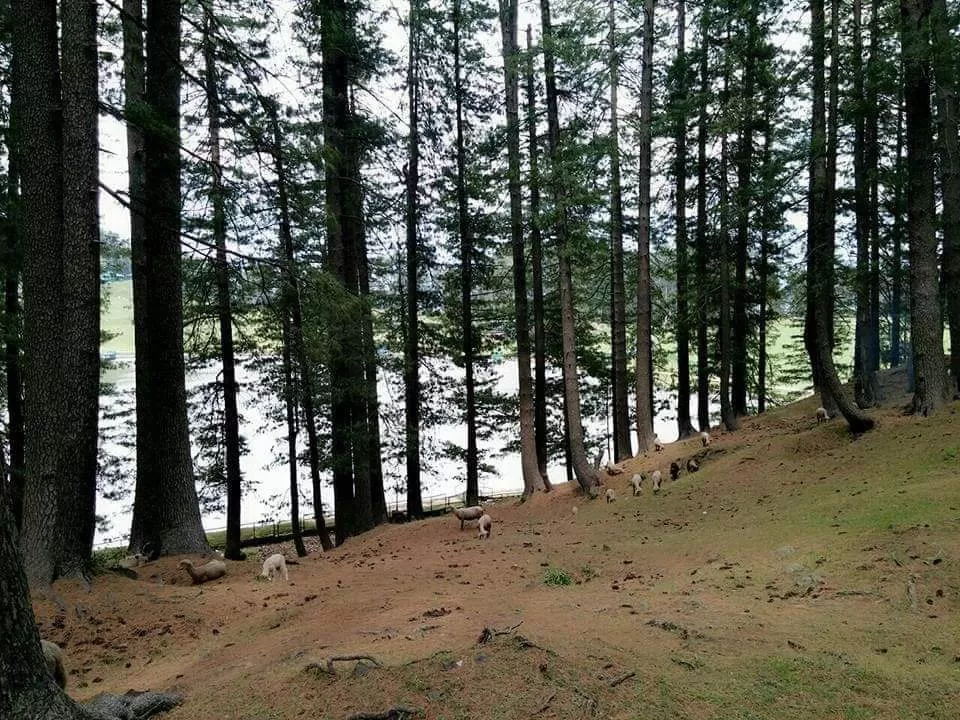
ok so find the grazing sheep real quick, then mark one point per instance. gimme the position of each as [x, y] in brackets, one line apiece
[211, 571]
[276, 563]
[468, 513]
[131, 562]
[822, 415]
[705, 438]
[483, 527]
[611, 495]
[657, 445]
[575, 510]
[674, 470]
[613, 469]
[54, 657]
[692, 465]
[636, 482]
[656, 476]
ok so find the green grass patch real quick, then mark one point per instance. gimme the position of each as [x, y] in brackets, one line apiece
[556, 577]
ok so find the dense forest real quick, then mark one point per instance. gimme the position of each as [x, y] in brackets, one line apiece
[623, 199]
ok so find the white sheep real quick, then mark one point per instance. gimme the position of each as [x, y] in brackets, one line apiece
[483, 527]
[705, 438]
[657, 445]
[614, 469]
[656, 477]
[822, 415]
[468, 513]
[211, 571]
[131, 562]
[54, 658]
[636, 482]
[276, 563]
[611, 495]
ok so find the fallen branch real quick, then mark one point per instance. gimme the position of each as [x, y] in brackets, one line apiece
[622, 678]
[594, 705]
[348, 658]
[394, 713]
[487, 634]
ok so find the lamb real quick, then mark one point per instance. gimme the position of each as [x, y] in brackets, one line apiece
[657, 445]
[611, 495]
[211, 571]
[131, 562]
[656, 476]
[468, 513]
[692, 465]
[822, 415]
[636, 482]
[54, 657]
[483, 527]
[674, 470]
[276, 563]
[705, 438]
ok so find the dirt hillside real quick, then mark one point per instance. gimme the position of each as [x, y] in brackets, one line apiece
[801, 573]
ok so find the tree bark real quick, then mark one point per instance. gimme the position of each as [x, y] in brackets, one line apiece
[702, 296]
[166, 512]
[872, 161]
[12, 320]
[744, 162]
[926, 327]
[536, 262]
[231, 415]
[618, 321]
[727, 416]
[948, 149]
[644, 400]
[28, 690]
[586, 475]
[684, 425]
[465, 231]
[411, 348]
[820, 245]
[865, 379]
[289, 398]
[532, 480]
[292, 305]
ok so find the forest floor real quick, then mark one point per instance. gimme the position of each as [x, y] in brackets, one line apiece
[802, 573]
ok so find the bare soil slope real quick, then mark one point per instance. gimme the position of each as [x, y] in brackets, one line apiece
[802, 573]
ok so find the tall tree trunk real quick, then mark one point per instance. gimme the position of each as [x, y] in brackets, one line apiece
[166, 512]
[769, 195]
[872, 161]
[644, 381]
[411, 348]
[292, 306]
[586, 475]
[865, 379]
[820, 243]
[536, 261]
[377, 499]
[744, 162]
[926, 328]
[289, 399]
[684, 425]
[231, 415]
[618, 321]
[896, 254]
[466, 271]
[81, 285]
[727, 416]
[28, 690]
[40, 214]
[703, 351]
[12, 320]
[532, 480]
[948, 149]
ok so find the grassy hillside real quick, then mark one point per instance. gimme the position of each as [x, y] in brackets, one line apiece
[801, 574]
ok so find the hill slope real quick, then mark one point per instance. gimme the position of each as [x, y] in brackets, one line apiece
[800, 574]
